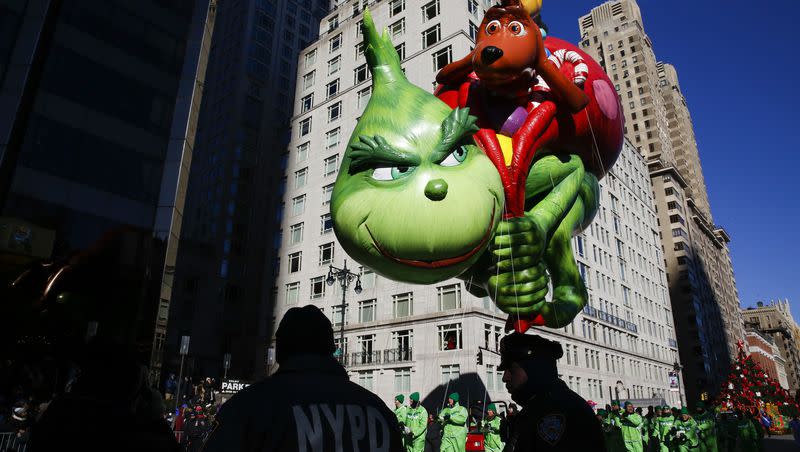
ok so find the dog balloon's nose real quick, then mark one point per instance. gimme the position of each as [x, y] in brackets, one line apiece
[491, 54]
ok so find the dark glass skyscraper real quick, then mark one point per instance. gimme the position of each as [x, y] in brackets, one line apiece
[223, 292]
[98, 108]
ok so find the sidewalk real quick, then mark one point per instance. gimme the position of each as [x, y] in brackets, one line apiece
[784, 443]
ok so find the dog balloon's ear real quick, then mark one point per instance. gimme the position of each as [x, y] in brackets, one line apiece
[532, 7]
[456, 72]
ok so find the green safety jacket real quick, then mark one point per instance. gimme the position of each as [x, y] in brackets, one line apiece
[417, 422]
[683, 436]
[663, 426]
[707, 426]
[454, 434]
[492, 441]
[631, 433]
[612, 430]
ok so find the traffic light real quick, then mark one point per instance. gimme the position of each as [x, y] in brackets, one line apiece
[479, 356]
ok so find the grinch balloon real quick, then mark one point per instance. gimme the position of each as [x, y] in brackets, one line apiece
[489, 181]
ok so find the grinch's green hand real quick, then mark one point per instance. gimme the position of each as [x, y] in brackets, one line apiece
[517, 278]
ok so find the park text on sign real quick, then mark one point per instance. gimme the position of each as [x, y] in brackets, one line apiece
[232, 386]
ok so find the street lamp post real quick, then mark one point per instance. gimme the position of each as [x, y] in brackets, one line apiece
[676, 367]
[345, 277]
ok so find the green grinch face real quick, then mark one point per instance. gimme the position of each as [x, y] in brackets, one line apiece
[416, 200]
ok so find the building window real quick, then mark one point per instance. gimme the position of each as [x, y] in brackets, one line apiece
[430, 10]
[317, 287]
[363, 98]
[331, 165]
[295, 233]
[298, 205]
[302, 152]
[398, 28]
[449, 297]
[367, 346]
[359, 50]
[335, 43]
[310, 58]
[326, 194]
[396, 7]
[295, 262]
[402, 305]
[402, 380]
[326, 224]
[337, 317]
[332, 88]
[306, 103]
[333, 137]
[292, 293]
[334, 65]
[326, 253]
[361, 74]
[442, 58]
[401, 50]
[308, 80]
[366, 311]
[472, 6]
[305, 126]
[431, 36]
[365, 380]
[367, 278]
[450, 337]
[473, 31]
[300, 177]
[450, 372]
[333, 22]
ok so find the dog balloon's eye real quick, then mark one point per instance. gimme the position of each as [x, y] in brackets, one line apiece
[517, 28]
[493, 27]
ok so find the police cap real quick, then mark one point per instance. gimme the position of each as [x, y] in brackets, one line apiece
[304, 330]
[520, 347]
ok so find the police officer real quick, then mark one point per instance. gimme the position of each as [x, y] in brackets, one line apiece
[491, 430]
[454, 425]
[612, 428]
[417, 425]
[553, 417]
[309, 404]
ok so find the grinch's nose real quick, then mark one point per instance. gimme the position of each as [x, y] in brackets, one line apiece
[436, 189]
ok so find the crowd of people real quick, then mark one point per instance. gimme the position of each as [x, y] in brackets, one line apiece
[311, 404]
[667, 429]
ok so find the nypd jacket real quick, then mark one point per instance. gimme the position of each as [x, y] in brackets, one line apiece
[309, 405]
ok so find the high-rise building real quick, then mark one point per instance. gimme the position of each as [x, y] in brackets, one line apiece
[402, 337]
[775, 319]
[99, 104]
[224, 274]
[700, 274]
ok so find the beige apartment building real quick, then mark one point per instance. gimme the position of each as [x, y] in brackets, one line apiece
[701, 282]
[775, 319]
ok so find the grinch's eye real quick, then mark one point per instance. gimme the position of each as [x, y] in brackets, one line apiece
[493, 27]
[517, 28]
[455, 158]
[392, 173]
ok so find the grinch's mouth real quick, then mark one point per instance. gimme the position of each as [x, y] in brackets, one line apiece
[440, 263]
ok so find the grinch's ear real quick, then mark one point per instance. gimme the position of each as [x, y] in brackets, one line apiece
[456, 72]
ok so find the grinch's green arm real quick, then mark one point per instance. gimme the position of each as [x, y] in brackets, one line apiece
[517, 279]
[559, 179]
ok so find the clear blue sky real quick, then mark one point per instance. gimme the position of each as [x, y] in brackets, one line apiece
[738, 66]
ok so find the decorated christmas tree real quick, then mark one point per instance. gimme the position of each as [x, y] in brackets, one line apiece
[750, 389]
